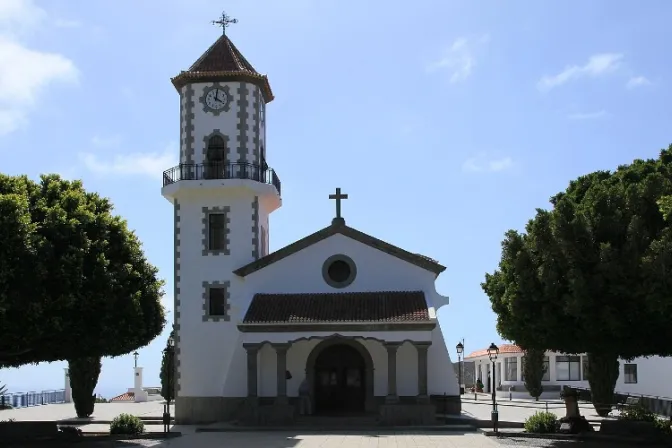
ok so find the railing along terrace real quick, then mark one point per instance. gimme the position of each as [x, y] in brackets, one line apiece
[203, 171]
[27, 399]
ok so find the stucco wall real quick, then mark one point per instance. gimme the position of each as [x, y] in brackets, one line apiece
[652, 375]
[244, 112]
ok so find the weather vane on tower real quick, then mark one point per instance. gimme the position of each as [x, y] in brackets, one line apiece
[224, 21]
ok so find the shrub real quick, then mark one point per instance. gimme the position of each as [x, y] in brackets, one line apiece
[665, 425]
[127, 424]
[637, 413]
[542, 422]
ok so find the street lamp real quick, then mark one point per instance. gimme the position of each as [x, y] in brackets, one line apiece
[170, 350]
[460, 350]
[135, 358]
[493, 351]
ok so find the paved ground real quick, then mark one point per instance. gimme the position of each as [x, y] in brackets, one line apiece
[520, 410]
[350, 440]
[66, 411]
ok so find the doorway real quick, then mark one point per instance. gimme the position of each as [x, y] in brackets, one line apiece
[339, 382]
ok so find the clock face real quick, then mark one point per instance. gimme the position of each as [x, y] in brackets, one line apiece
[216, 99]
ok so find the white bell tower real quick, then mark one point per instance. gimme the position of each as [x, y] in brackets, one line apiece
[223, 192]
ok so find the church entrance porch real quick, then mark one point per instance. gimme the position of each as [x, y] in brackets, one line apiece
[338, 378]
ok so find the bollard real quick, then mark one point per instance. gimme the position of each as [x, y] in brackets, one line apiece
[510, 396]
[547, 406]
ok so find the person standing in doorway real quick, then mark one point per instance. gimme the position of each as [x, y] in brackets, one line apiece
[304, 397]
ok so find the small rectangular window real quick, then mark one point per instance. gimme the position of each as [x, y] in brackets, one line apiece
[216, 231]
[217, 302]
[630, 373]
[511, 369]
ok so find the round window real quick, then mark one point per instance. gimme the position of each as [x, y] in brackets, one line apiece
[339, 271]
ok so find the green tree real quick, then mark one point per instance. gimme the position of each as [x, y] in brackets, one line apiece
[168, 372]
[74, 282]
[84, 374]
[594, 274]
[533, 371]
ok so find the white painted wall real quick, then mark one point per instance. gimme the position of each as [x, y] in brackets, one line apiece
[204, 123]
[652, 375]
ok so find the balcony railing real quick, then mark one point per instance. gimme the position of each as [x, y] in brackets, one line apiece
[26, 399]
[203, 171]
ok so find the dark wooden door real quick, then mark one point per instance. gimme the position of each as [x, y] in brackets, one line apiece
[339, 380]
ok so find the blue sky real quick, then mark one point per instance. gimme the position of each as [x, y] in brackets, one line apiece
[447, 123]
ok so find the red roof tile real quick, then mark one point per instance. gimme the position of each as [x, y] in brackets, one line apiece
[504, 348]
[128, 396]
[222, 56]
[390, 306]
[223, 62]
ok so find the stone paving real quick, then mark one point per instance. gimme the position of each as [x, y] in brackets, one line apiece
[520, 410]
[102, 411]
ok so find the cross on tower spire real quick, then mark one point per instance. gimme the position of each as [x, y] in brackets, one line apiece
[224, 21]
[338, 197]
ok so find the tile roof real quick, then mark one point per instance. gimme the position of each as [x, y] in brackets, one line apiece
[223, 62]
[127, 396]
[339, 226]
[504, 348]
[388, 306]
[222, 56]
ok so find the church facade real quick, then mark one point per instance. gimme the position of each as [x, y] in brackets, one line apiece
[353, 315]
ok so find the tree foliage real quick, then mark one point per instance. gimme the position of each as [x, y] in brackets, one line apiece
[533, 371]
[84, 374]
[168, 372]
[74, 282]
[594, 274]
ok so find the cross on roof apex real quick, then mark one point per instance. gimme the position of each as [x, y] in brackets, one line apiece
[224, 21]
[338, 197]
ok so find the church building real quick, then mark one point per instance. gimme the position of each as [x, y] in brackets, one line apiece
[354, 316]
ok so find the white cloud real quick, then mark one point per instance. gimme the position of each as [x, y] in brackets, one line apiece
[597, 65]
[459, 60]
[106, 142]
[484, 163]
[25, 72]
[151, 164]
[638, 81]
[588, 115]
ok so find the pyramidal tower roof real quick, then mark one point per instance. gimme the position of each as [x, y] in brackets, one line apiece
[220, 63]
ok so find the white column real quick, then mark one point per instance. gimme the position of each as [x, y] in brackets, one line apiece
[68, 389]
[137, 385]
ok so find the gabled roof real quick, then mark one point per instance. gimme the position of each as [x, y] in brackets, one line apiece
[338, 226]
[223, 62]
[504, 348]
[373, 307]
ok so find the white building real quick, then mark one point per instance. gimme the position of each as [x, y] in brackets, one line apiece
[641, 376]
[353, 314]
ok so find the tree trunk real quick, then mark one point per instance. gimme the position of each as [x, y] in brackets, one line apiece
[603, 374]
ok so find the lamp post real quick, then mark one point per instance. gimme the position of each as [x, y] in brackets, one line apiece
[170, 350]
[460, 350]
[135, 358]
[493, 351]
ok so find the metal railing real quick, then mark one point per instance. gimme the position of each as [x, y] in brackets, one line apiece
[27, 399]
[205, 171]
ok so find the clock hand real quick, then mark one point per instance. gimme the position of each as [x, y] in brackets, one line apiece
[217, 97]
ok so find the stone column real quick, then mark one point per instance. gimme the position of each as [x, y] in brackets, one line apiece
[281, 361]
[252, 368]
[421, 348]
[392, 348]
[68, 389]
